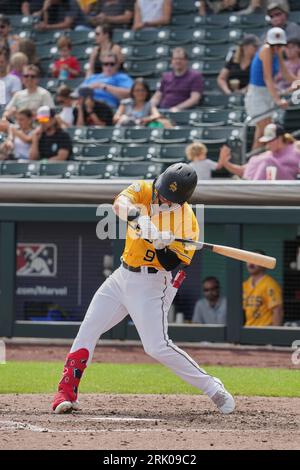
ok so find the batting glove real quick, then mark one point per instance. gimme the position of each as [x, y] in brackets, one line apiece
[163, 239]
[147, 228]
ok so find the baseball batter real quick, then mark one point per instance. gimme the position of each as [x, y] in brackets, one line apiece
[143, 287]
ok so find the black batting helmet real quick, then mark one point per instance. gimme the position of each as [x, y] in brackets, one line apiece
[177, 183]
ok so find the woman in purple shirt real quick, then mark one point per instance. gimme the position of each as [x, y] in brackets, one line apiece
[283, 153]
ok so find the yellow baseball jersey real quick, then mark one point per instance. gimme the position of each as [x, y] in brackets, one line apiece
[259, 300]
[181, 222]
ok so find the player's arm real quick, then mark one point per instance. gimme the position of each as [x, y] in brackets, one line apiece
[277, 316]
[125, 209]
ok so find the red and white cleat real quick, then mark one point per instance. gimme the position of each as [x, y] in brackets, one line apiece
[62, 403]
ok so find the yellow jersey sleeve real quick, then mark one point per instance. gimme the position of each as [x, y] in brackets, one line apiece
[273, 293]
[136, 192]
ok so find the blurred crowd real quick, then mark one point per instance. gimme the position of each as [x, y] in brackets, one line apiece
[262, 69]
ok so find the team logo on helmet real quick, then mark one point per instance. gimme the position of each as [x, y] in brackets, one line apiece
[173, 187]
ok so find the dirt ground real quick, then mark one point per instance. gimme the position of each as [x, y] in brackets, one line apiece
[135, 354]
[152, 422]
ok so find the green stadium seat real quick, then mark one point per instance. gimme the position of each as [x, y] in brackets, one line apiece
[46, 52]
[247, 21]
[19, 169]
[214, 21]
[141, 170]
[151, 68]
[184, 7]
[58, 169]
[207, 52]
[208, 67]
[184, 21]
[100, 170]
[81, 37]
[74, 83]
[82, 51]
[204, 36]
[99, 135]
[180, 118]
[170, 154]
[51, 84]
[215, 135]
[215, 101]
[135, 153]
[46, 37]
[153, 83]
[220, 117]
[211, 85]
[76, 133]
[170, 136]
[142, 37]
[100, 152]
[146, 52]
[135, 135]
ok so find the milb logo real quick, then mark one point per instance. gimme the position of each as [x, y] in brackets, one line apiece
[36, 259]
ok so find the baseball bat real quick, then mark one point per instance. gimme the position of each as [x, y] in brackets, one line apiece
[236, 253]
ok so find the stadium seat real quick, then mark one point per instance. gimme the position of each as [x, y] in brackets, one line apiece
[215, 135]
[135, 153]
[19, 170]
[204, 36]
[184, 7]
[221, 117]
[58, 169]
[81, 37]
[99, 152]
[142, 37]
[76, 133]
[146, 52]
[100, 170]
[184, 21]
[46, 37]
[141, 170]
[170, 154]
[135, 135]
[74, 83]
[150, 68]
[214, 21]
[180, 118]
[153, 83]
[247, 21]
[51, 84]
[207, 52]
[170, 136]
[208, 67]
[100, 135]
[46, 52]
[215, 101]
[211, 85]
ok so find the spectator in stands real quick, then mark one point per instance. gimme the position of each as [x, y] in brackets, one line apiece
[278, 11]
[27, 46]
[292, 62]
[12, 83]
[7, 40]
[104, 45]
[62, 14]
[67, 66]
[152, 13]
[19, 140]
[64, 99]
[115, 13]
[262, 298]
[180, 88]
[196, 153]
[218, 6]
[32, 97]
[282, 153]
[111, 85]
[49, 140]
[212, 309]
[234, 76]
[91, 112]
[17, 63]
[138, 109]
[34, 7]
[262, 95]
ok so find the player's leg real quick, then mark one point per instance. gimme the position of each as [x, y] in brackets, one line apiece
[104, 312]
[149, 313]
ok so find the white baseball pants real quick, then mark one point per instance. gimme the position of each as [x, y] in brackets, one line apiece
[146, 298]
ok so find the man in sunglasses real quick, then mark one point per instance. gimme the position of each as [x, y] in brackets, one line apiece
[32, 97]
[278, 11]
[111, 86]
[212, 308]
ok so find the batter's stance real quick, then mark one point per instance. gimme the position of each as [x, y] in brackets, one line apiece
[142, 286]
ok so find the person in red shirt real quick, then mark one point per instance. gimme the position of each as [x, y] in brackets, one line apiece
[67, 66]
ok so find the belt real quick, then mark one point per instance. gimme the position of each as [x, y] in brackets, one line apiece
[141, 269]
